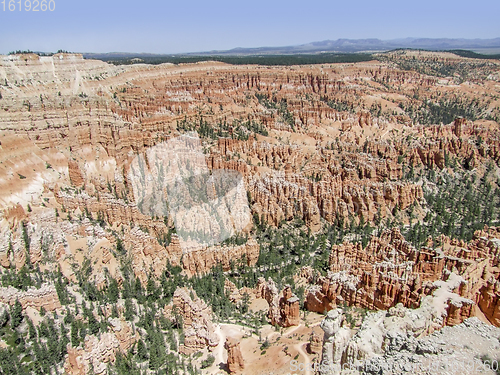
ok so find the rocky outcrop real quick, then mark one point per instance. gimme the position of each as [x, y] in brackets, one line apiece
[289, 308]
[323, 296]
[284, 311]
[198, 329]
[389, 271]
[45, 296]
[458, 125]
[126, 335]
[148, 254]
[236, 295]
[394, 343]
[114, 210]
[5, 248]
[76, 176]
[489, 301]
[201, 261]
[269, 291]
[335, 339]
[315, 343]
[445, 350]
[364, 119]
[97, 352]
[279, 196]
[234, 358]
[384, 331]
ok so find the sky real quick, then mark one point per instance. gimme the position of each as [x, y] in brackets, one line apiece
[156, 26]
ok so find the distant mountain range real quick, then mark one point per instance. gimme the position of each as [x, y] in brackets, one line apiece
[338, 46]
[368, 45]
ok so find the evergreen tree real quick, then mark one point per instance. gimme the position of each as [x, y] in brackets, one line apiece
[75, 339]
[4, 319]
[142, 351]
[113, 291]
[139, 293]
[130, 311]
[16, 316]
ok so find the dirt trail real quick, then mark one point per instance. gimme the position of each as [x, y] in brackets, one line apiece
[289, 332]
[218, 352]
[307, 360]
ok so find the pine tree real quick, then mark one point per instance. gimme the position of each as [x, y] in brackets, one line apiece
[62, 343]
[129, 310]
[4, 319]
[142, 351]
[16, 316]
[157, 355]
[151, 289]
[139, 293]
[75, 339]
[113, 291]
[31, 330]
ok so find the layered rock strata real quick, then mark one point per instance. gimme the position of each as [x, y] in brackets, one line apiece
[391, 271]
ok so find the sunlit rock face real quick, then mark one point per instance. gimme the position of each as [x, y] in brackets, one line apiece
[235, 361]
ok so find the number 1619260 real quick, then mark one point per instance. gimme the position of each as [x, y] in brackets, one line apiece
[28, 5]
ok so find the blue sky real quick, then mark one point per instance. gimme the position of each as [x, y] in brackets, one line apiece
[193, 25]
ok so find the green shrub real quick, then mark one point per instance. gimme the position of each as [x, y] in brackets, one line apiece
[208, 362]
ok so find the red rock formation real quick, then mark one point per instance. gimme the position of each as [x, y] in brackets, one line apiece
[75, 174]
[234, 358]
[325, 168]
[390, 271]
[15, 214]
[364, 119]
[489, 301]
[347, 171]
[148, 254]
[283, 311]
[125, 334]
[114, 211]
[458, 125]
[269, 291]
[289, 308]
[315, 343]
[203, 260]
[198, 329]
